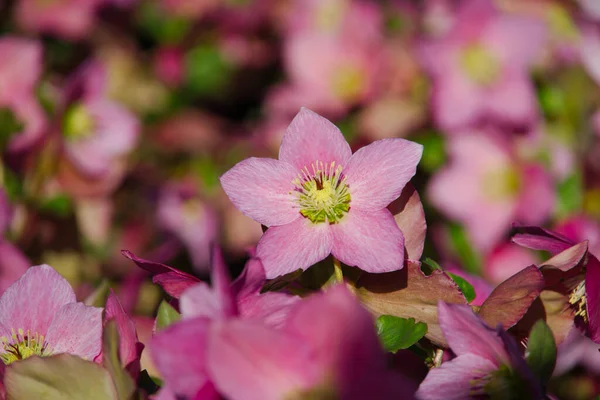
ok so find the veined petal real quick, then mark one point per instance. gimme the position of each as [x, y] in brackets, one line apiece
[377, 173]
[76, 329]
[261, 188]
[32, 301]
[454, 379]
[466, 333]
[298, 245]
[311, 138]
[369, 240]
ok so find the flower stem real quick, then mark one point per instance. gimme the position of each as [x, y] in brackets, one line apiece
[337, 270]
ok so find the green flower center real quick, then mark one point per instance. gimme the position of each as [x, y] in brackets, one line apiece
[348, 83]
[323, 194]
[501, 184]
[22, 345]
[479, 64]
[78, 123]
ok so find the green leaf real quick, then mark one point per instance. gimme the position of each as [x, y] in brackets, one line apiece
[110, 359]
[59, 205]
[207, 72]
[432, 264]
[166, 315]
[541, 351]
[461, 244]
[569, 196]
[465, 287]
[434, 153]
[397, 333]
[60, 377]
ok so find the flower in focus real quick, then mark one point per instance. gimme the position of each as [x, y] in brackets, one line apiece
[487, 188]
[487, 363]
[39, 315]
[319, 198]
[22, 120]
[480, 68]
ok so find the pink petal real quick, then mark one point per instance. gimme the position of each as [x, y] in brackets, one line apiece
[456, 102]
[466, 333]
[410, 218]
[369, 240]
[76, 329]
[200, 301]
[128, 339]
[537, 238]
[455, 379]
[261, 188]
[377, 173]
[221, 284]
[513, 100]
[311, 138]
[32, 301]
[537, 197]
[248, 361]
[271, 308]
[179, 353]
[298, 245]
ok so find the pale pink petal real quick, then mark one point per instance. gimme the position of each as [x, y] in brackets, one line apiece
[505, 261]
[466, 333]
[179, 353]
[249, 361]
[271, 308]
[590, 53]
[513, 100]
[32, 301]
[537, 197]
[456, 102]
[298, 245]
[128, 339]
[311, 138]
[369, 240]
[377, 173]
[261, 188]
[200, 301]
[455, 379]
[21, 66]
[76, 329]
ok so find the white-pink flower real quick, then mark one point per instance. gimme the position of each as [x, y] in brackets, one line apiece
[39, 315]
[320, 199]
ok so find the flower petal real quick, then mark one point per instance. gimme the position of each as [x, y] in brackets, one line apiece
[369, 240]
[297, 245]
[466, 333]
[76, 329]
[592, 292]
[248, 361]
[32, 301]
[200, 301]
[128, 339]
[261, 188]
[454, 379]
[311, 138]
[183, 341]
[377, 173]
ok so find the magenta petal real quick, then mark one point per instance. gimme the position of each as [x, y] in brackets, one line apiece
[592, 293]
[221, 284]
[251, 280]
[179, 354]
[466, 333]
[377, 173]
[369, 240]
[76, 329]
[311, 138]
[261, 188]
[32, 301]
[298, 245]
[454, 379]
[249, 361]
[537, 238]
[128, 340]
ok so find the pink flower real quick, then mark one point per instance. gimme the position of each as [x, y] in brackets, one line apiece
[480, 68]
[319, 198]
[484, 358]
[70, 19]
[98, 132]
[506, 260]
[22, 120]
[39, 315]
[487, 187]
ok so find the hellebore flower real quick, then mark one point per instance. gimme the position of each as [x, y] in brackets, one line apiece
[22, 120]
[488, 362]
[40, 316]
[487, 187]
[480, 67]
[320, 199]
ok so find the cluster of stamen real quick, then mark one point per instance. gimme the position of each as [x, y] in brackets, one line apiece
[322, 192]
[22, 345]
[578, 301]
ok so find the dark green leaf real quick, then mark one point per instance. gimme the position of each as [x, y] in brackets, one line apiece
[397, 333]
[541, 351]
[465, 287]
[166, 315]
